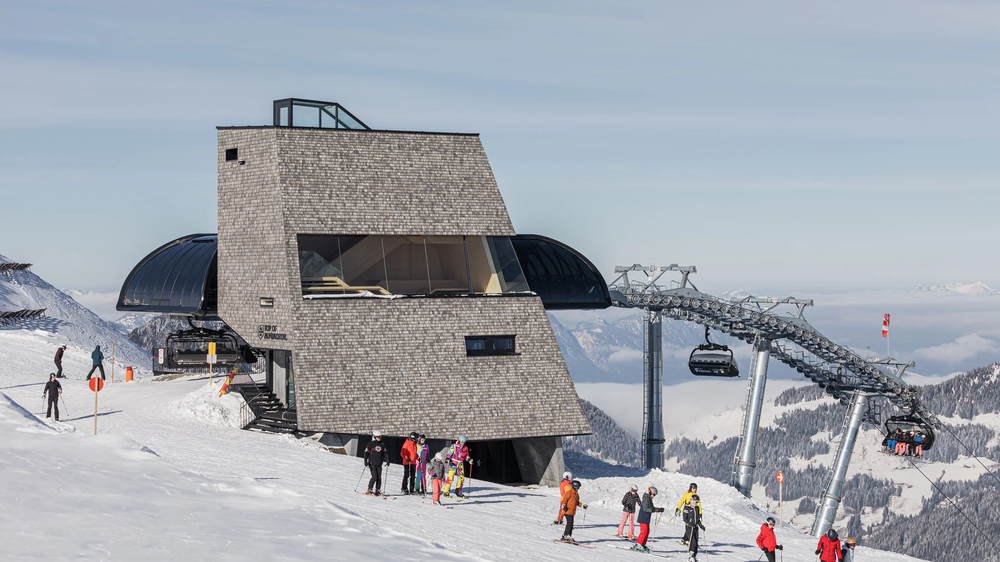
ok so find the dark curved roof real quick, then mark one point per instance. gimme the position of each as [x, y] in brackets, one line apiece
[561, 276]
[178, 277]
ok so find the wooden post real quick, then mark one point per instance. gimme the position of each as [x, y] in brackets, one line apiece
[97, 387]
[211, 361]
[780, 477]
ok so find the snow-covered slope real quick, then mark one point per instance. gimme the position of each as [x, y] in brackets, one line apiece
[133, 320]
[169, 477]
[799, 436]
[66, 322]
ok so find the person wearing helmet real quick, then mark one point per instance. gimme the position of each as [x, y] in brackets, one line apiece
[628, 512]
[458, 455]
[646, 511]
[691, 515]
[422, 452]
[570, 501]
[829, 547]
[51, 393]
[564, 485]
[409, 455]
[376, 454]
[767, 541]
[435, 470]
[685, 500]
[847, 553]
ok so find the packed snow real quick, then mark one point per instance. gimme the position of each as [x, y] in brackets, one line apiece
[170, 476]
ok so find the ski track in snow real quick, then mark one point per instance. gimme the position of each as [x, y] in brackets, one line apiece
[169, 476]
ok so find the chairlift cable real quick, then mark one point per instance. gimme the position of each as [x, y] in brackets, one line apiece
[991, 541]
[973, 455]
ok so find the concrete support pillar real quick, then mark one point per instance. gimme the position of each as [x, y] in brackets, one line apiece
[747, 455]
[652, 435]
[830, 501]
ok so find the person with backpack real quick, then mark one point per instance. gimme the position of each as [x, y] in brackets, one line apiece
[570, 502]
[98, 358]
[458, 455]
[422, 452]
[829, 547]
[628, 512]
[685, 500]
[409, 455]
[646, 511]
[53, 390]
[691, 515]
[767, 541]
[435, 470]
[376, 454]
[58, 360]
[564, 485]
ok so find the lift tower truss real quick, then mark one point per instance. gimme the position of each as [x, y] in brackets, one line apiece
[789, 339]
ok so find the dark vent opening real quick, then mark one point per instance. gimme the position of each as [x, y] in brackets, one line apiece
[232, 154]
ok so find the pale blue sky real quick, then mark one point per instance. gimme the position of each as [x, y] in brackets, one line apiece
[780, 146]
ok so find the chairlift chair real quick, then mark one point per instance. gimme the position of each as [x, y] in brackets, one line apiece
[906, 424]
[713, 360]
[188, 349]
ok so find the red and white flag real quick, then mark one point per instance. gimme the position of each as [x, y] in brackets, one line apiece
[885, 325]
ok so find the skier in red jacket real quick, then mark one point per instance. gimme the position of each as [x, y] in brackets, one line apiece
[767, 541]
[409, 455]
[829, 547]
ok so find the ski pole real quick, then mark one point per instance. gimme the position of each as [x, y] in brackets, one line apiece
[761, 555]
[359, 478]
[385, 481]
[65, 409]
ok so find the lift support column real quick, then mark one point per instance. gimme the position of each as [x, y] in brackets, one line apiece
[746, 461]
[830, 500]
[652, 433]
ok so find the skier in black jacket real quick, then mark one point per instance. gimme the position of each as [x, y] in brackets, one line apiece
[692, 521]
[58, 360]
[54, 390]
[376, 454]
[628, 512]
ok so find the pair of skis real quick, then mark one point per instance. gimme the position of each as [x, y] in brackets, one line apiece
[590, 546]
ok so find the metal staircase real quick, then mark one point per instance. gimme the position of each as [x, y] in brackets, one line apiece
[262, 411]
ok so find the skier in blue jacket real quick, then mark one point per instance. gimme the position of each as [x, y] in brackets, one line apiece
[98, 358]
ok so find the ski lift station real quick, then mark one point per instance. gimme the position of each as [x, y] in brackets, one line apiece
[374, 277]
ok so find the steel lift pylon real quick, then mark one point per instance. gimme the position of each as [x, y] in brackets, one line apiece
[853, 380]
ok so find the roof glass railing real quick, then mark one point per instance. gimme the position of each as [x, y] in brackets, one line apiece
[294, 112]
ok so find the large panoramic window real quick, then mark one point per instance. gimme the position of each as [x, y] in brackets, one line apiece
[409, 265]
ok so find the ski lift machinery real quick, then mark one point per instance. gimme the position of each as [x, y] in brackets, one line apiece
[713, 360]
[188, 349]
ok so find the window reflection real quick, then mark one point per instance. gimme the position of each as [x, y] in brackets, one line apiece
[408, 265]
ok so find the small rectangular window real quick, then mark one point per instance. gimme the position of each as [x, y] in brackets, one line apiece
[490, 345]
[232, 154]
[267, 302]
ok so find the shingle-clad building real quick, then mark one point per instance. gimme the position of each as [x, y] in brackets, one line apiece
[379, 276]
